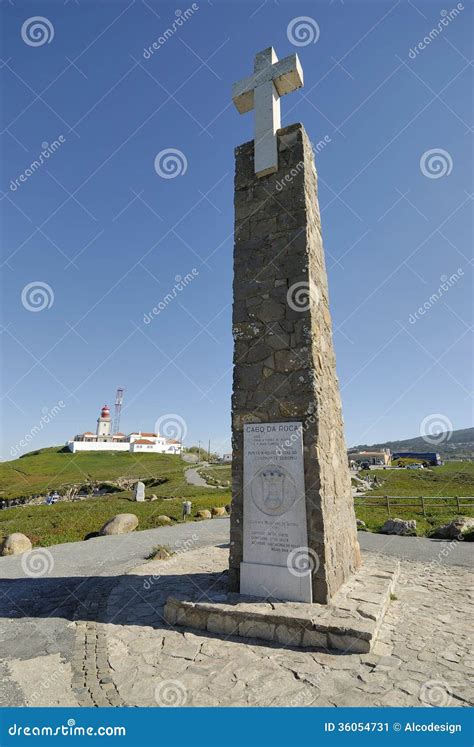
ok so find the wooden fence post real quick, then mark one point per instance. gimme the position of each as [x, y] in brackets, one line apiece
[457, 502]
[423, 505]
[388, 504]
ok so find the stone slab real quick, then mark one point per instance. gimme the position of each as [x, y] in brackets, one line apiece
[140, 492]
[341, 625]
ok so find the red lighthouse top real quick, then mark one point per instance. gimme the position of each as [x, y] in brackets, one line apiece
[105, 412]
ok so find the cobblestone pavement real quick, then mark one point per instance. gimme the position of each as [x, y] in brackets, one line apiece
[86, 634]
[423, 655]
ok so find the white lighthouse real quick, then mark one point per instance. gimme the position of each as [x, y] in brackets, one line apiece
[104, 423]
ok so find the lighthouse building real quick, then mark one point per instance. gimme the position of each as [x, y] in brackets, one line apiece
[104, 423]
[138, 441]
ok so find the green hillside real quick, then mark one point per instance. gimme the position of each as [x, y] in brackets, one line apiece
[453, 478]
[54, 469]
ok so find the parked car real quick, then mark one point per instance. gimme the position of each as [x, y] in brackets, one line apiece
[415, 466]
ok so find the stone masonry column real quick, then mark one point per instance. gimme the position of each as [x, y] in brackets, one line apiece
[284, 362]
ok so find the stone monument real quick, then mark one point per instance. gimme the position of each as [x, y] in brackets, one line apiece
[140, 492]
[293, 527]
[293, 540]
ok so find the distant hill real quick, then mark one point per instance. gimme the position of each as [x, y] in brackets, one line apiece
[455, 445]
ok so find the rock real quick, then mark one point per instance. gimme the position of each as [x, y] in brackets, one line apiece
[228, 508]
[154, 497]
[458, 528]
[204, 514]
[402, 527]
[120, 524]
[164, 519]
[162, 554]
[15, 544]
[218, 511]
[361, 524]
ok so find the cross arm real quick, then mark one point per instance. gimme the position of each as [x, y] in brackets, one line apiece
[286, 74]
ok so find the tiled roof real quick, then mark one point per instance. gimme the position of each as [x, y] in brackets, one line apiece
[143, 441]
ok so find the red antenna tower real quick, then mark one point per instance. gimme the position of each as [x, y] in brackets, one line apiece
[118, 409]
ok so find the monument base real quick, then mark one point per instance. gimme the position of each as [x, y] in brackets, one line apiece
[349, 623]
[258, 580]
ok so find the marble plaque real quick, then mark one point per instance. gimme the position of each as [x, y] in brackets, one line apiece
[275, 546]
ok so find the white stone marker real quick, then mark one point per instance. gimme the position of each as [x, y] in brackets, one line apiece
[261, 91]
[140, 492]
[275, 546]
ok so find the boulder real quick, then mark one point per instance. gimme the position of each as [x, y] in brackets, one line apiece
[361, 524]
[456, 529]
[402, 527]
[218, 511]
[164, 519]
[228, 508]
[120, 524]
[15, 544]
[204, 514]
[154, 497]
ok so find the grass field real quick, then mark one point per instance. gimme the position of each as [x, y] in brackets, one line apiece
[453, 478]
[55, 469]
[52, 469]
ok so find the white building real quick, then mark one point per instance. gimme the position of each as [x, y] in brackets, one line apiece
[137, 442]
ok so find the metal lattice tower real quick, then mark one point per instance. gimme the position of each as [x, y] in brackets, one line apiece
[118, 409]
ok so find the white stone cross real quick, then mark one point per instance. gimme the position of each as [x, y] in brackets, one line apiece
[261, 91]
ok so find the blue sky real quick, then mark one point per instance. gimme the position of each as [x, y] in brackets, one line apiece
[108, 235]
